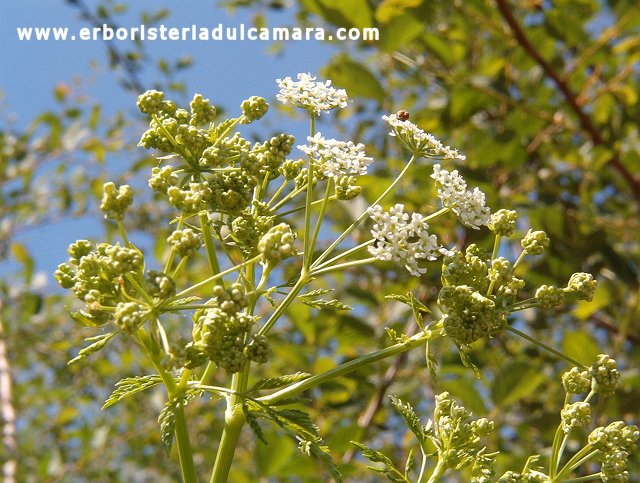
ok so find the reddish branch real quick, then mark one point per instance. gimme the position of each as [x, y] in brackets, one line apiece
[570, 97]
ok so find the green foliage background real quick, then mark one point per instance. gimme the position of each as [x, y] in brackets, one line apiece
[543, 99]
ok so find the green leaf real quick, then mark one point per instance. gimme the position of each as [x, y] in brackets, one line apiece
[252, 421]
[581, 346]
[326, 304]
[390, 9]
[85, 319]
[388, 469]
[276, 382]
[167, 420]
[355, 78]
[320, 452]
[515, 381]
[98, 343]
[399, 31]
[316, 292]
[411, 418]
[352, 13]
[129, 386]
[22, 256]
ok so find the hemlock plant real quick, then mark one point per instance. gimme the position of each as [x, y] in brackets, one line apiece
[236, 201]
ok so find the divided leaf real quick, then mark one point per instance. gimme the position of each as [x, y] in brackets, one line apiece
[411, 418]
[99, 342]
[276, 382]
[326, 304]
[129, 386]
[388, 469]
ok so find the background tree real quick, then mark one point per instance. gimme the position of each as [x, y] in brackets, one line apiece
[542, 98]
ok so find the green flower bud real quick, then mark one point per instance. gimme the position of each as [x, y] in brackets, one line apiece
[500, 271]
[535, 242]
[121, 260]
[191, 200]
[503, 222]
[346, 188]
[548, 296]
[160, 284]
[576, 415]
[195, 355]
[605, 375]
[185, 242]
[253, 109]
[150, 102]
[79, 249]
[65, 275]
[576, 381]
[581, 286]
[291, 168]
[162, 179]
[259, 350]
[129, 316]
[231, 300]
[277, 244]
[201, 111]
[614, 466]
[115, 201]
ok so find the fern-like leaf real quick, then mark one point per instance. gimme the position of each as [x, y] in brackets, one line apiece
[98, 342]
[129, 386]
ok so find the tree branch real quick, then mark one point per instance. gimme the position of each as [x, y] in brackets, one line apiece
[7, 413]
[570, 97]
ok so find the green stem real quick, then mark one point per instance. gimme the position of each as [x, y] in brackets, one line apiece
[547, 348]
[316, 232]
[494, 254]
[123, 233]
[289, 197]
[364, 215]
[300, 208]
[345, 368]
[438, 471]
[213, 278]
[321, 271]
[233, 423]
[576, 460]
[557, 448]
[295, 290]
[307, 212]
[208, 244]
[593, 476]
[520, 258]
[423, 466]
[182, 436]
[345, 254]
[172, 252]
[278, 192]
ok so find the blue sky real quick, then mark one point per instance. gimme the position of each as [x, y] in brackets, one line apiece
[227, 72]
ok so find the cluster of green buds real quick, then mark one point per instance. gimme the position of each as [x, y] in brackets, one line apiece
[222, 332]
[115, 201]
[610, 445]
[480, 290]
[100, 277]
[219, 168]
[456, 436]
[277, 244]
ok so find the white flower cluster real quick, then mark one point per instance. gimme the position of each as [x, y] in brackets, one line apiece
[419, 141]
[402, 238]
[336, 158]
[468, 205]
[308, 94]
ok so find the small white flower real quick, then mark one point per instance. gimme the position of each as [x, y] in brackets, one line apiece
[402, 238]
[308, 94]
[468, 205]
[419, 141]
[336, 158]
